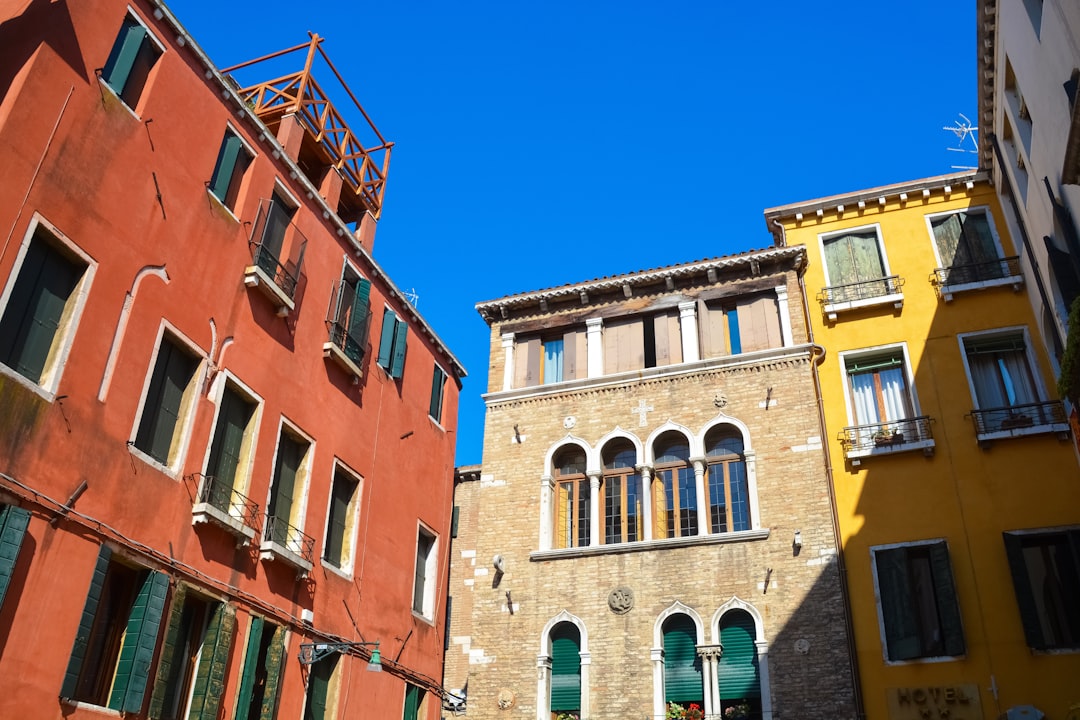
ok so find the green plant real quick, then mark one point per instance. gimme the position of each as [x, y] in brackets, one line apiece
[567, 716]
[738, 711]
[1069, 383]
[675, 711]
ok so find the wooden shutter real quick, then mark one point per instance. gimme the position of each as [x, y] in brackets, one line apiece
[397, 368]
[1025, 598]
[275, 664]
[251, 667]
[712, 323]
[898, 614]
[358, 315]
[290, 454]
[231, 149]
[454, 517]
[438, 380]
[682, 666]
[171, 652]
[386, 338]
[759, 323]
[164, 401]
[140, 639]
[13, 524]
[945, 594]
[413, 697]
[624, 345]
[86, 624]
[210, 677]
[233, 418]
[565, 668]
[738, 672]
[532, 357]
[667, 338]
[123, 55]
[277, 222]
[319, 687]
[341, 494]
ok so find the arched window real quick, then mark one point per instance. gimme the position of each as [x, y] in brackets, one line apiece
[729, 498]
[571, 498]
[674, 490]
[623, 518]
[738, 672]
[565, 669]
[682, 666]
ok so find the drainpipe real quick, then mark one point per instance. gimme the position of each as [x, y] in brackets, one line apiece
[841, 566]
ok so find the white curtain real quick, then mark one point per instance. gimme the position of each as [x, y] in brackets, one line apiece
[1002, 379]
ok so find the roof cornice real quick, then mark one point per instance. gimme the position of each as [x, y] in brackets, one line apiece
[986, 13]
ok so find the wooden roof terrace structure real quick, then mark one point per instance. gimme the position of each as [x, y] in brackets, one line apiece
[329, 142]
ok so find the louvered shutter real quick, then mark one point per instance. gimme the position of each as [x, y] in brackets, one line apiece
[231, 148]
[386, 338]
[210, 677]
[171, 652]
[945, 594]
[319, 688]
[13, 524]
[413, 696]
[290, 453]
[397, 368]
[438, 381]
[70, 685]
[275, 657]
[1025, 599]
[682, 666]
[565, 668]
[123, 55]
[359, 312]
[341, 493]
[137, 654]
[897, 611]
[738, 672]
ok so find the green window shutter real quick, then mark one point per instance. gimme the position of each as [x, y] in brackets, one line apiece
[341, 494]
[86, 624]
[133, 667]
[251, 665]
[682, 666]
[231, 149]
[897, 611]
[173, 371]
[171, 652]
[290, 454]
[359, 312]
[413, 697]
[438, 381]
[738, 670]
[319, 688]
[945, 594]
[233, 419]
[275, 658]
[424, 544]
[13, 524]
[398, 366]
[123, 55]
[1025, 598]
[565, 668]
[32, 318]
[386, 339]
[454, 521]
[210, 677]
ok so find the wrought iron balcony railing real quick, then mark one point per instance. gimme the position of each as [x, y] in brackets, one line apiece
[224, 498]
[864, 290]
[889, 435]
[280, 532]
[283, 276]
[988, 271]
[1019, 417]
[350, 337]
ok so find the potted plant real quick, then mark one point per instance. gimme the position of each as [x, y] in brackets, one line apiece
[883, 437]
[738, 711]
[674, 711]
[1016, 420]
[693, 712]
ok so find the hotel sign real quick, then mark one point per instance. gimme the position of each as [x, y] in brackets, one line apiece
[945, 702]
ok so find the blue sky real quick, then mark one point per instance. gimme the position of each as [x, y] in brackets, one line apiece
[541, 143]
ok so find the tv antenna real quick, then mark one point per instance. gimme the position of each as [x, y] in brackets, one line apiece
[966, 134]
[412, 296]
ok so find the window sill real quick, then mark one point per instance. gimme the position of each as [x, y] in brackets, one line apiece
[152, 461]
[217, 201]
[925, 660]
[205, 512]
[333, 352]
[947, 291]
[425, 618]
[82, 705]
[270, 550]
[256, 277]
[647, 545]
[45, 393]
[345, 573]
[831, 310]
[856, 456]
[116, 96]
[1061, 429]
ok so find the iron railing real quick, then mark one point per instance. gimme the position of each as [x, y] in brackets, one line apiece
[279, 531]
[1018, 417]
[350, 337]
[864, 290]
[977, 272]
[277, 248]
[222, 496]
[893, 434]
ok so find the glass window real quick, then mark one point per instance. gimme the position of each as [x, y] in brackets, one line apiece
[231, 438]
[674, 488]
[967, 247]
[349, 322]
[168, 401]
[438, 386]
[284, 510]
[337, 549]
[1000, 372]
[729, 497]
[879, 389]
[257, 697]
[623, 518]
[553, 361]
[1046, 577]
[425, 577]
[572, 499]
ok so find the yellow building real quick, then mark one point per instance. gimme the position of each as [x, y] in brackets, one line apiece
[956, 481]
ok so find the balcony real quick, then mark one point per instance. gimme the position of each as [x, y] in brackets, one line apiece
[864, 294]
[218, 503]
[346, 343]
[287, 543]
[1039, 418]
[976, 276]
[888, 438]
[277, 256]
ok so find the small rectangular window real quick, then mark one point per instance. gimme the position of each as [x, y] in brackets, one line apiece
[38, 317]
[263, 658]
[425, 578]
[344, 493]
[133, 56]
[1046, 577]
[232, 162]
[233, 432]
[284, 510]
[392, 343]
[920, 615]
[414, 698]
[167, 403]
[438, 386]
[319, 691]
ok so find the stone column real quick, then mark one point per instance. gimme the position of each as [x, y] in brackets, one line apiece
[594, 344]
[751, 488]
[785, 317]
[508, 360]
[594, 511]
[710, 674]
[543, 687]
[658, 684]
[586, 662]
[691, 349]
[763, 679]
[547, 519]
[646, 500]
[703, 525]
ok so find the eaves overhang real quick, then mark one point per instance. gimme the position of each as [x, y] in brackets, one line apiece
[986, 13]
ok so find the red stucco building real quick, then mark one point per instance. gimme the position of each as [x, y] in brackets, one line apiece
[226, 437]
